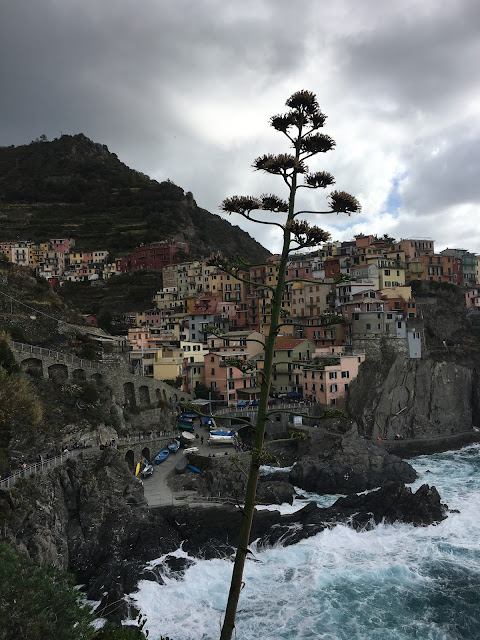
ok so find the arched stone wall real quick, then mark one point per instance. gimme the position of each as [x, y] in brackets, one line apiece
[79, 375]
[129, 391]
[130, 460]
[146, 453]
[32, 366]
[97, 378]
[144, 395]
[58, 372]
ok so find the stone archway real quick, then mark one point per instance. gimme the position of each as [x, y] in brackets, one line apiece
[129, 391]
[32, 366]
[79, 375]
[144, 395]
[130, 460]
[58, 372]
[146, 453]
[97, 378]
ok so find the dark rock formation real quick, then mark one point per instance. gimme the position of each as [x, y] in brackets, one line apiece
[392, 503]
[90, 517]
[414, 398]
[346, 464]
[275, 492]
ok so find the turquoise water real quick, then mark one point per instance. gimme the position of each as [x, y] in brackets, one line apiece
[392, 583]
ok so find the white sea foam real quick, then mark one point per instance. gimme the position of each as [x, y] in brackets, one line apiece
[394, 582]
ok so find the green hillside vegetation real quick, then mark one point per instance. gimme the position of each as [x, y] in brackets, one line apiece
[73, 187]
[125, 293]
[29, 307]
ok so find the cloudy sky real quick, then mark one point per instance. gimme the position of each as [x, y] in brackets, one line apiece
[183, 89]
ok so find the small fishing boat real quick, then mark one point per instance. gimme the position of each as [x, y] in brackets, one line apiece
[189, 414]
[190, 450]
[225, 440]
[181, 465]
[194, 469]
[222, 433]
[162, 456]
[185, 425]
[173, 446]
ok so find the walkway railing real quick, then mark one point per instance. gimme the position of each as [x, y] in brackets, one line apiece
[38, 468]
[60, 357]
[290, 406]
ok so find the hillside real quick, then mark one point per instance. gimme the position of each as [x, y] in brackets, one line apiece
[74, 187]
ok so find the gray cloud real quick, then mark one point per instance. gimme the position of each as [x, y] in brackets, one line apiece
[183, 90]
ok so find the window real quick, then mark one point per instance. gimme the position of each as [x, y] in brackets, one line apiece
[231, 385]
[345, 374]
[389, 316]
[321, 387]
[368, 326]
[212, 372]
[333, 388]
[356, 316]
[399, 325]
[332, 375]
[212, 359]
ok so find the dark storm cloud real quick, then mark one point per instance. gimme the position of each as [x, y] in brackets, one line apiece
[183, 90]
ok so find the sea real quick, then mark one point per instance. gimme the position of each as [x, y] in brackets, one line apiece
[394, 582]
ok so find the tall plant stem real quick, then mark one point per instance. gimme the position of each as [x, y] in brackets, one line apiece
[251, 490]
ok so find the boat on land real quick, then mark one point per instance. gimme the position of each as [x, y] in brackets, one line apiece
[162, 456]
[189, 414]
[186, 425]
[190, 450]
[147, 470]
[194, 469]
[173, 446]
[222, 433]
[224, 439]
[181, 465]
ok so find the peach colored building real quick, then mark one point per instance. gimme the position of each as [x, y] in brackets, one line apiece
[328, 383]
[231, 383]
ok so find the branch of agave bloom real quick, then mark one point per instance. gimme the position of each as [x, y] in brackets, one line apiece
[276, 224]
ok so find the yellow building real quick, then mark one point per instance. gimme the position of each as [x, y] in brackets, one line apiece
[391, 272]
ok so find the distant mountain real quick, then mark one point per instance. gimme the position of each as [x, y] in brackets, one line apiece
[74, 187]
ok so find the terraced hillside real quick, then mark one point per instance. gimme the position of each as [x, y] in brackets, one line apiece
[76, 188]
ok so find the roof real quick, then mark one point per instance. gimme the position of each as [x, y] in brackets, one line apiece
[288, 344]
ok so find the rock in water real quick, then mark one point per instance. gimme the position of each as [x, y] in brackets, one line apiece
[347, 464]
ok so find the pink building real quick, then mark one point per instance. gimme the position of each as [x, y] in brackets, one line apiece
[472, 299]
[328, 383]
[60, 244]
[231, 383]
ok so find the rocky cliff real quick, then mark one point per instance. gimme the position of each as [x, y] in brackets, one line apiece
[91, 517]
[436, 396]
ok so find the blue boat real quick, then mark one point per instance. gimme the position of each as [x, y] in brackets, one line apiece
[162, 456]
[189, 414]
[194, 469]
[222, 433]
[174, 446]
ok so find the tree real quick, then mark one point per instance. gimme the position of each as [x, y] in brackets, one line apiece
[38, 603]
[301, 125]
